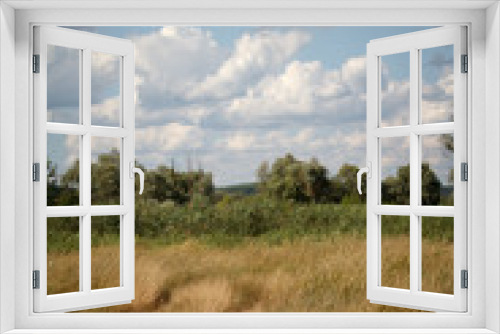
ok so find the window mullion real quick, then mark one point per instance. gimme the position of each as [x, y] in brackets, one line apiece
[414, 172]
[85, 250]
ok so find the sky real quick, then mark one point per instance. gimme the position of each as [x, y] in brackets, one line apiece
[225, 99]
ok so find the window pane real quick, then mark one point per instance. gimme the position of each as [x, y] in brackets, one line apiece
[105, 252]
[395, 252]
[437, 254]
[105, 171]
[437, 170]
[63, 84]
[437, 84]
[395, 170]
[395, 89]
[63, 170]
[106, 89]
[63, 257]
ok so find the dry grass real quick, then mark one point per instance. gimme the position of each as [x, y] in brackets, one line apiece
[303, 276]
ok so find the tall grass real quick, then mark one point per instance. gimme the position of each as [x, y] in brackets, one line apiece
[300, 276]
[255, 256]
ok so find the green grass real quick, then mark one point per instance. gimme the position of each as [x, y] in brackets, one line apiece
[228, 224]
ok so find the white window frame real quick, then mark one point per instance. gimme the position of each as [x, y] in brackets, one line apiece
[484, 103]
[86, 44]
[413, 44]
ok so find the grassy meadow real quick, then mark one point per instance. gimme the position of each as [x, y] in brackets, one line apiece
[313, 263]
[295, 241]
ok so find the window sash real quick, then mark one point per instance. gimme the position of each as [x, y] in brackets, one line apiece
[413, 43]
[86, 298]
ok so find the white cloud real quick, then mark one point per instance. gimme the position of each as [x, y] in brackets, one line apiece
[230, 110]
[107, 113]
[254, 56]
[63, 81]
[241, 141]
[106, 76]
[170, 62]
[72, 144]
[169, 137]
[305, 92]
[353, 74]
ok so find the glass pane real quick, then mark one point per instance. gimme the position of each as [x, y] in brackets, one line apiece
[105, 252]
[63, 84]
[105, 171]
[106, 89]
[437, 170]
[395, 252]
[395, 170]
[63, 257]
[437, 84]
[437, 254]
[63, 170]
[395, 89]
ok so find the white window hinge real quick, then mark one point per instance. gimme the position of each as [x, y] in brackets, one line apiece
[36, 279]
[465, 64]
[36, 172]
[36, 63]
[464, 171]
[465, 279]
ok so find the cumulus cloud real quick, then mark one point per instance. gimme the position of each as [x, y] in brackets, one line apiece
[63, 82]
[167, 137]
[106, 76]
[63, 85]
[172, 61]
[107, 113]
[304, 109]
[304, 93]
[254, 56]
[229, 110]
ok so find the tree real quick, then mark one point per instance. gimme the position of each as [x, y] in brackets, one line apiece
[105, 179]
[165, 184]
[344, 184]
[431, 186]
[53, 190]
[263, 173]
[64, 190]
[449, 145]
[161, 184]
[292, 179]
[396, 189]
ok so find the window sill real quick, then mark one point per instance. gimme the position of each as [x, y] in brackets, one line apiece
[248, 331]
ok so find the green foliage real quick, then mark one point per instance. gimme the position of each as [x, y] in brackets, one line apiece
[396, 189]
[166, 184]
[251, 218]
[295, 180]
[293, 199]
[344, 186]
[65, 193]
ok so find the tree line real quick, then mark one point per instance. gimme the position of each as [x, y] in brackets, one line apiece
[287, 178]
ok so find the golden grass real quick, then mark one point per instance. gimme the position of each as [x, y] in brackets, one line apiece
[303, 276]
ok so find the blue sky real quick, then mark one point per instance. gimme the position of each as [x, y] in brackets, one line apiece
[228, 98]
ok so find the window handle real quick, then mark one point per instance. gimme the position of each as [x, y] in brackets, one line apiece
[141, 175]
[368, 171]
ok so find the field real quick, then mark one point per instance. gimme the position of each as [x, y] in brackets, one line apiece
[277, 271]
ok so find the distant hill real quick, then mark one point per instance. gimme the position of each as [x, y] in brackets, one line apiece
[446, 190]
[241, 189]
[251, 188]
